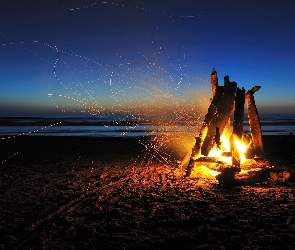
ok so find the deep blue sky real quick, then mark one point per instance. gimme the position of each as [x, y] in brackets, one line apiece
[123, 53]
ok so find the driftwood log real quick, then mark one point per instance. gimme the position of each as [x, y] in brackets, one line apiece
[238, 124]
[212, 110]
[221, 117]
[254, 122]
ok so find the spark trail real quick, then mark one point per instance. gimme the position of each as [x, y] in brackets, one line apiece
[134, 7]
[141, 90]
[146, 86]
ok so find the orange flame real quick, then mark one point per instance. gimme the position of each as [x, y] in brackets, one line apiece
[223, 152]
[241, 147]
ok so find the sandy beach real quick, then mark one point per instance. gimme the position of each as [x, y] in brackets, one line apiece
[94, 193]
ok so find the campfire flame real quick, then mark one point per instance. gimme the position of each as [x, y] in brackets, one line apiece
[241, 147]
[222, 153]
[217, 152]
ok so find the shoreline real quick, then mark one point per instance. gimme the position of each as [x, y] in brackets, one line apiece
[63, 122]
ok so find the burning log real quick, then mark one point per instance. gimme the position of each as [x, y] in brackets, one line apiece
[214, 108]
[217, 92]
[239, 112]
[221, 117]
[238, 124]
[254, 122]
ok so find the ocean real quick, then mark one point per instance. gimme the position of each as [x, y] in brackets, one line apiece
[91, 126]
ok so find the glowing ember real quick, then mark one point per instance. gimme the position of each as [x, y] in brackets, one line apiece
[204, 173]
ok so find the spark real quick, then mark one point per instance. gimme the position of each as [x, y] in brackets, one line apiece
[7, 159]
[16, 43]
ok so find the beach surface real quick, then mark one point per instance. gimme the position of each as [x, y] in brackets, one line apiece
[98, 193]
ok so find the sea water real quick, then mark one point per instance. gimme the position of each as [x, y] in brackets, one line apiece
[283, 124]
[90, 126]
[278, 124]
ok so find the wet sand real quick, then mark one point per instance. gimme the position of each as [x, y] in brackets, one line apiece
[93, 193]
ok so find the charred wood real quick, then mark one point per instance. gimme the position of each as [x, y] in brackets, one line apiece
[217, 94]
[214, 81]
[237, 125]
[222, 115]
[239, 112]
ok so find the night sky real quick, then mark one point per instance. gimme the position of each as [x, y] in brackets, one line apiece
[61, 56]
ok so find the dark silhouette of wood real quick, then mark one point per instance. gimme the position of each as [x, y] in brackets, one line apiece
[238, 125]
[239, 112]
[214, 81]
[254, 122]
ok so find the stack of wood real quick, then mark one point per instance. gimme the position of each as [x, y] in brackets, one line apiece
[227, 99]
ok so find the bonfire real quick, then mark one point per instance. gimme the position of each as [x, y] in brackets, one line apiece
[230, 155]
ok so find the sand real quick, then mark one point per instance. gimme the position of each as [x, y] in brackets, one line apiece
[93, 193]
